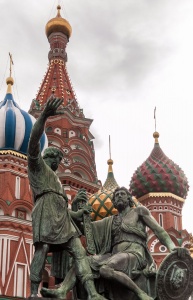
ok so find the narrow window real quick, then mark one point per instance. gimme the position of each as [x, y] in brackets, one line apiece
[161, 220]
[175, 222]
[20, 273]
[17, 187]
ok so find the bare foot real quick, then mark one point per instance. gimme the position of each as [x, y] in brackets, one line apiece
[53, 293]
[97, 297]
[34, 296]
[144, 296]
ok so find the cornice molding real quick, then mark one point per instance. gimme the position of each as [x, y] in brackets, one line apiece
[12, 152]
[162, 195]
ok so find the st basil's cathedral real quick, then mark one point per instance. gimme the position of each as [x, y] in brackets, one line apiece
[158, 183]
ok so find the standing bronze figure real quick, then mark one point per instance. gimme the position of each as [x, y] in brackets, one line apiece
[53, 227]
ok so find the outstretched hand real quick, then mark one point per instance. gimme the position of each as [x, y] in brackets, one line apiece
[182, 252]
[51, 107]
[85, 210]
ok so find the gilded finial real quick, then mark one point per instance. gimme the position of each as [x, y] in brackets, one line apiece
[58, 14]
[110, 161]
[156, 136]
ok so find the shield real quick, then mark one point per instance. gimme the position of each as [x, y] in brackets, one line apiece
[174, 280]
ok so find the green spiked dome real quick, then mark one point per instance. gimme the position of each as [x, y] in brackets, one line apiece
[102, 200]
[159, 174]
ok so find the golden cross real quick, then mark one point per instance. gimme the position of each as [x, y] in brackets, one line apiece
[11, 63]
[109, 146]
[155, 117]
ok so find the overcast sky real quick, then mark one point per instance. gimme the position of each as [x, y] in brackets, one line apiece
[124, 58]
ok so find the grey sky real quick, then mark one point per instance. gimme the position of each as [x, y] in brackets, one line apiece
[124, 58]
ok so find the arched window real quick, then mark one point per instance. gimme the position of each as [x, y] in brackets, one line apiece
[58, 131]
[17, 187]
[20, 213]
[77, 174]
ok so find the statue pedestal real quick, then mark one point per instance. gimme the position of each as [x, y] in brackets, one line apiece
[38, 298]
[69, 296]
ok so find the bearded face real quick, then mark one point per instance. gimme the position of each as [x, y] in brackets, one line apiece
[121, 200]
[53, 161]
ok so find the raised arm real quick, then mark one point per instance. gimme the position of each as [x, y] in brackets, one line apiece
[161, 234]
[38, 128]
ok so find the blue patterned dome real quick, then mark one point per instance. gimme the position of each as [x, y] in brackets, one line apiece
[15, 125]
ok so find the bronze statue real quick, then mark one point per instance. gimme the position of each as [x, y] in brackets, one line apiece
[122, 259]
[53, 227]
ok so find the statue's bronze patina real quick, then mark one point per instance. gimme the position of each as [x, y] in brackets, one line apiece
[123, 265]
[53, 227]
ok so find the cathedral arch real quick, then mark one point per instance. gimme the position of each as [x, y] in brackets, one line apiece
[49, 129]
[79, 159]
[78, 174]
[1, 211]
[3, 208]
[25, 206]
[75, 143]
[67, 171]
[153, 244]
[185, 244]
[53, 143]
[83, 172]
[21, 213]
[78, 146]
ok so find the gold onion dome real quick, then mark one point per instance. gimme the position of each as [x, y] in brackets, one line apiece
[101, 201]
[58, 24]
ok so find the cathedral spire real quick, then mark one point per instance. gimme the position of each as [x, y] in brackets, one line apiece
[70, 131]
[56, 80]
[110, 183]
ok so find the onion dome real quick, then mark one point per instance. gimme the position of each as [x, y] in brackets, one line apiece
[15, 124]
[159, 174]
[58, 24]
[101, 201]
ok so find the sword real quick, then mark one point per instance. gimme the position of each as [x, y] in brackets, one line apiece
[87, 226]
